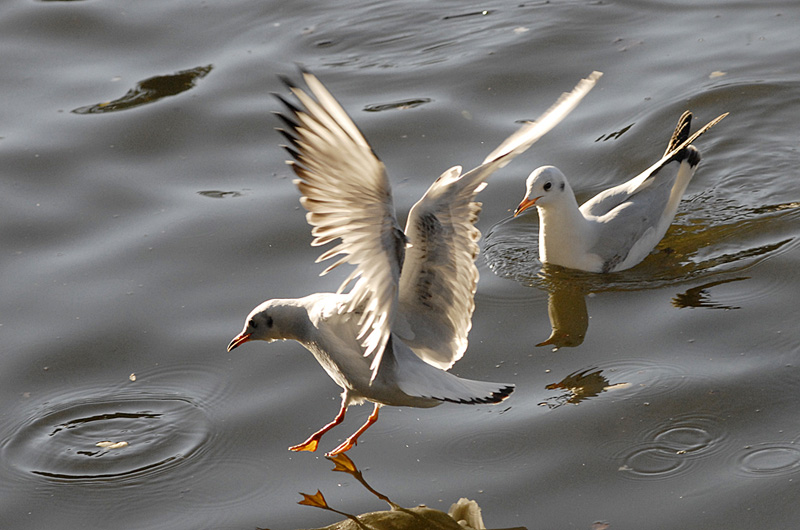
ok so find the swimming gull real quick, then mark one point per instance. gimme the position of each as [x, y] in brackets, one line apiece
[411, 300]
[617, 228]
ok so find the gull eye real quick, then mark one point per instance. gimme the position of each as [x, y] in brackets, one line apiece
[252, 324]
[547, 186]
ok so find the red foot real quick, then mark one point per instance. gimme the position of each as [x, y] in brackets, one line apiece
[308, 445]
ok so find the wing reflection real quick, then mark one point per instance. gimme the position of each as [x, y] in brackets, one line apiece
[579, 386]
[150, 90]
[463, 515]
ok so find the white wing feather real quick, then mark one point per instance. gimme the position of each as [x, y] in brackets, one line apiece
[439, 276]
[346, 191]
[347, 194]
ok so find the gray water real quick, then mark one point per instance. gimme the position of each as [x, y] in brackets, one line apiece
[146, 208]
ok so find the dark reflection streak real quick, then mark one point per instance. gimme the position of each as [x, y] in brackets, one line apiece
[142, 469]
[614, 135]
[699, 297]
[464, 15]
[405, 104]
[218, 194]
[746, 253]
[773, 208]
[101, 417]
[150, 90]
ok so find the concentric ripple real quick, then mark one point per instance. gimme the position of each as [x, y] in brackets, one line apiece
[108, 439]
[672, 447]
[643, 376]
[769, 460]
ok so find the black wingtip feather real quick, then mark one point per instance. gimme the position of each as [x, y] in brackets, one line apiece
[693, 156]
[495, 397]
[286, 80]
[288, 122]
[294, 109]
[293, 153]
[288, 135]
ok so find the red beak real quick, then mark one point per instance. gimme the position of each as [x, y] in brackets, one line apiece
[524, 205]
[239, 340]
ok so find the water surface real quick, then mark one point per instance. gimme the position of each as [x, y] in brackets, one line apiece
[147, 209]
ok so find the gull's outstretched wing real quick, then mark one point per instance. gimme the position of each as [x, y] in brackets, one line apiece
[439, 276]
[346, 192]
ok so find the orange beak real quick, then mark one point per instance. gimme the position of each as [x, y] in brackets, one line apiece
[524, 205]
[238, 340]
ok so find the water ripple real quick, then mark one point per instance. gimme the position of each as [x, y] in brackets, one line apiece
[768, 460]
[634, 376]
[673, 447]
[97, 440]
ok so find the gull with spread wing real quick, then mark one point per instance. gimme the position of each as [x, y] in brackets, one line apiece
[411, 294]
[617, 228]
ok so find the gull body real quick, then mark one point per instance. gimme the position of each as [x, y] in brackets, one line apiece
[405, 319]
[616, 229]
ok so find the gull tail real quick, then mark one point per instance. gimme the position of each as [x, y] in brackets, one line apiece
[417, 378]
[448, 387]
[681, 134]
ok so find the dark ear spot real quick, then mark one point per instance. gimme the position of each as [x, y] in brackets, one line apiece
[269, 322]
[562, 186]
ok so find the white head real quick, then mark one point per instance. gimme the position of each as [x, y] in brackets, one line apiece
[545, 185]
[270, 321]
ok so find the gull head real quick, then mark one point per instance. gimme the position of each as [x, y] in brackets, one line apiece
[270, 321]
[544, 186]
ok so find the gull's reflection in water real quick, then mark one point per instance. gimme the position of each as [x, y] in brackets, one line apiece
[578, 386]
[566, 302]
[566, 307]
[463, 515]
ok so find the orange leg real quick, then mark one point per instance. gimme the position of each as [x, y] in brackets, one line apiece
[313, 440]
[352, 441]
